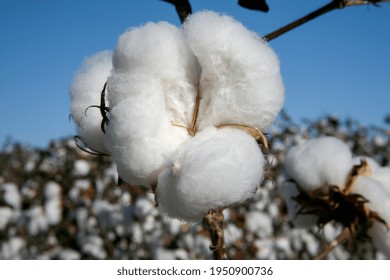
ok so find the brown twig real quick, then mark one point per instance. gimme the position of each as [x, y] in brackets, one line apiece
[335, 4]
[213, 222]
[183, 8]
[344, 236]
[193, 128]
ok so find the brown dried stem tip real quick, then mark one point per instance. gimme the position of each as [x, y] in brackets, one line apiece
[213, 222]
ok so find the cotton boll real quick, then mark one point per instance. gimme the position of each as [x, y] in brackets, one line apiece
[379, 201]
[240, 80]
[85, 91]
[325, 160]
[81, 168]
[140, 136]
[11, 195]
[6, 214]
[215, 169]
[259, 224]
[53, 207]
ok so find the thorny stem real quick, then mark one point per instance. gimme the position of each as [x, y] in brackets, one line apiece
[344, 236]
[213, 222]
[335, 4]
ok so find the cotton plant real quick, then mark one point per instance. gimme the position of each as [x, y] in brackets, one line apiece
[327, 183]
[183, 110]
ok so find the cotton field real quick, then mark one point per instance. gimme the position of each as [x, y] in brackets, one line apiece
[63, 203]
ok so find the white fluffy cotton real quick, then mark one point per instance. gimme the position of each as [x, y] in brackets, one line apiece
[325, 160]
[85, 91]
[53, 207]
[240, 80]
[215, 169]
[382, 175]
[158, 51]
[140, 135]
[147, 91]
[157, 71]
[379, 201]
[11, 195]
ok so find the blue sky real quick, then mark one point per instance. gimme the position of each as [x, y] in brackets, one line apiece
[337, 64]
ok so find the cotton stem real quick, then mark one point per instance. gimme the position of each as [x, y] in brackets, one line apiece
[335, 4]
[213, 222]
[344, 236]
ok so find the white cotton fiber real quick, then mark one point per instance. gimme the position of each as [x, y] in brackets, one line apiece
[85, 91]
[140, 136]
[379, 201]
[159, 50]
[382, 175]
[11, 195]
[53, 205]
[240, 80]
[216, 168]
[153, 84]
[325, 160]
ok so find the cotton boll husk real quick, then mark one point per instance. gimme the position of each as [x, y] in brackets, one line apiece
[379, 201]
[85, 91]
[240, 80]
[215, 169]
[160, 50]
[139, 135]
[289, 190]
[325, 160]
[370, 161]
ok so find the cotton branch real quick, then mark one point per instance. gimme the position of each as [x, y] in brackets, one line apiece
[335, 4]
[213, 222]
[183, 8]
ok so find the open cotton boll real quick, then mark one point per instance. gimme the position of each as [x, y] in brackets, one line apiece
[160, 50]
[85, 91]
[139, 135]
[240, 80]
[215, 169]
[325, 160]
[379, 201]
